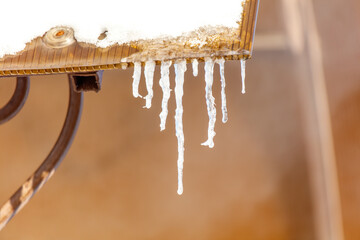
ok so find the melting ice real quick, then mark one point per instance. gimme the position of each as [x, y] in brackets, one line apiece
[180, 68]
[164, 82]
[221, 62]
[243, 75]
[195, 65]
[136, 79]
[149, 79]
[165, 85]
[210, 101]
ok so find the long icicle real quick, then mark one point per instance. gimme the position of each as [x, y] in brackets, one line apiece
[210, 102]
[165, 85]
[180, 68]
[136, 79]
[242, 61]
[221, 62]
[149, 78]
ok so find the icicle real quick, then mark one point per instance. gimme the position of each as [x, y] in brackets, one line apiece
[149, 78]
[124, 66]
[136, 81]
[165, 85]
[180, 68]
[221, 62]
[195, 65]
[243, 75]
[210, 102]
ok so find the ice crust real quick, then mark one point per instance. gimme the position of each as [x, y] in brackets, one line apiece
[124, 21]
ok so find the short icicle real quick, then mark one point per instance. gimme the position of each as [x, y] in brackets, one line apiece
[221, 62]
[165, 85]
[243, 75]
[195, 66]
[149, 79]
[180, 68]
[124, 66]
[210, 102]
[136, 79]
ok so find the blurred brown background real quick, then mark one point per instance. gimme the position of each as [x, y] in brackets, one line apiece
[283, 167]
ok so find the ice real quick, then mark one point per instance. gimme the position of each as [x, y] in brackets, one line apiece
[195, 66]
[165, 85]
[136, 79]
[124, 66]
[221, 62]
[180, 68]
[149, 79]
[243, 75]
[210, 102]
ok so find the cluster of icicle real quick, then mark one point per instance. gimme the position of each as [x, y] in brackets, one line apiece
[180, 69]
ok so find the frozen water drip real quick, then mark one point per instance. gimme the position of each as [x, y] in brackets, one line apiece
[136, 79]
[195, 66]
[210, 101]
[165, 86]
[221, 63]
[180, 68]
[242, 61]
[149, 79]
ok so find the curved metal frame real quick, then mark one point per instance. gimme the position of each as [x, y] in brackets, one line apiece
[19, 199]
[17, 100]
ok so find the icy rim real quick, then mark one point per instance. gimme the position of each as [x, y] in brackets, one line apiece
[124, 21]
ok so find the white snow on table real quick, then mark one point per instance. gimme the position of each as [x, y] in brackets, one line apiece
[123, 20]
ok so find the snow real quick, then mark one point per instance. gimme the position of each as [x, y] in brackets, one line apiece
[165, 86]
[124, 21]
[180, 68]
[210, 101]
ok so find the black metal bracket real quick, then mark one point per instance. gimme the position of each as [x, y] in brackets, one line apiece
[87, 81]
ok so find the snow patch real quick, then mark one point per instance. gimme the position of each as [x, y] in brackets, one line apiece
[123, 20]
